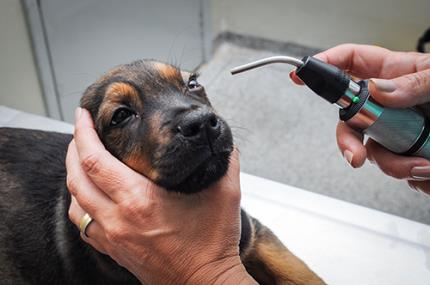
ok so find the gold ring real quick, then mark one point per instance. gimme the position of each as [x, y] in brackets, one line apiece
[84, 223]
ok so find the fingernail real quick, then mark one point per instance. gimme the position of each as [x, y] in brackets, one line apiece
[348, 155]
[421, 172]
[78, 113]
[384, 85]
[291, 75]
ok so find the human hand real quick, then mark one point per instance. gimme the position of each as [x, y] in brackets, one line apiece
[398, 80]
[161, 237]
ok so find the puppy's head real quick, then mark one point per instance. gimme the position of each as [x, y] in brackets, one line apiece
[158, 120]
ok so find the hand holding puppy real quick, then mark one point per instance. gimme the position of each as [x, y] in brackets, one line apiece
[180, 239]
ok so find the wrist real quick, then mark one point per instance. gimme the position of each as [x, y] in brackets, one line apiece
[229, 271]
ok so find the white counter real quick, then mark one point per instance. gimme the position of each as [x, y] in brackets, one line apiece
[342, 242]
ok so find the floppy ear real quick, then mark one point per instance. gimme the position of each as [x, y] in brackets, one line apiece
[91, 101]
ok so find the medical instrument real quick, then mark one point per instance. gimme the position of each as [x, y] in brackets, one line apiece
[404, 131]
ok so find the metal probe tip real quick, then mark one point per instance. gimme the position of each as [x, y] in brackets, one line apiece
[274, 59]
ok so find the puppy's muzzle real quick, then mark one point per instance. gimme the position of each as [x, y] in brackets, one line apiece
[200, 127]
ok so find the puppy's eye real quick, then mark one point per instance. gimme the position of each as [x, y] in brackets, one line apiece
[192, 82]
[121, 115]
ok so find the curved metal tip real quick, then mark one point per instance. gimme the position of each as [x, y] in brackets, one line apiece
[274, 59]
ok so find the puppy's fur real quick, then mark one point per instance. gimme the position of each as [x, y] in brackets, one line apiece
[156, 119]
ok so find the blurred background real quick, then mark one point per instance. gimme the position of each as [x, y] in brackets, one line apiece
[51, 50]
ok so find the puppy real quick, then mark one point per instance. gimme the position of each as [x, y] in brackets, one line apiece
[158, 120]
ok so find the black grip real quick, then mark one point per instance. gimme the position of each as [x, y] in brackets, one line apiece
[324, 79]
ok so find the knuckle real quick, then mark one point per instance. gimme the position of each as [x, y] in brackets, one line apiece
[410, 81]
[91, 163]
[348, 46]
[135, 207]
[235, 196]
[72, 216]
[128, 209]
[72, 185]
[391, 169]
[115, 234]
[416, 81]
[395, 173]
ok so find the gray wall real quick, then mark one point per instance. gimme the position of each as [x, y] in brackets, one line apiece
[19, 83]
[88, 37]
[395, 24]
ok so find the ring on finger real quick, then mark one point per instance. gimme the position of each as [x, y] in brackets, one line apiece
[84, 223]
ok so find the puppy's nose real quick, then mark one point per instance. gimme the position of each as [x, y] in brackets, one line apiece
[199, 126]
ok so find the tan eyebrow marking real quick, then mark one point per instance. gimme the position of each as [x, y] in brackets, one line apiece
[161, 135]
[169, 73]
[116, 93]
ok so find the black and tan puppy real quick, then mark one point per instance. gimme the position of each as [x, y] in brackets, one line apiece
[156, 119]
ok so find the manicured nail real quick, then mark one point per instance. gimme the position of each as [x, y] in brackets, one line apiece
[291, 74]
[384, 85]
[421, 172]
[78, 113]
[348, 155]
[295, 78]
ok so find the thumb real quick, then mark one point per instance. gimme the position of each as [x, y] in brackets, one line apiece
[404, 91]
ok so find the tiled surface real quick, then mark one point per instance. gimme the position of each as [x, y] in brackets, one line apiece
[287, 134]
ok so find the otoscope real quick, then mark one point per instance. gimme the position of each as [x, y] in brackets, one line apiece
[403, 131]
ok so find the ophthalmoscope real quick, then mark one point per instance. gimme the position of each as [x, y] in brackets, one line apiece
[403, 131]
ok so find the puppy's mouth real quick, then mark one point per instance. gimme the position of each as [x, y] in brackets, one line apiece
[192, 168]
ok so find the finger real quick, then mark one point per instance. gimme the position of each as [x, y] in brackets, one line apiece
[404, 91]
[95, 235]
[233, 170]
[95, 243]
[75, 212]
[365, 61]
[295, 78]
[94, 201]
[227, 189]
[350, 143]
[423, 186]
[234, 166]
[392, 164]
[108, 173]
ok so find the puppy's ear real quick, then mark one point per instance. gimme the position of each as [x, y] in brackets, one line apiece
[91, 101]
